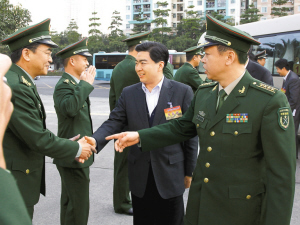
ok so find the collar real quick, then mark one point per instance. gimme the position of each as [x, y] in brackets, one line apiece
[232, 85]
[27, 74]
[74, 78]
[285, 77]
[158, 86]
[246, 64]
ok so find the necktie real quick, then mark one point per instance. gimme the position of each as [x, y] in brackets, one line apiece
[222, 95]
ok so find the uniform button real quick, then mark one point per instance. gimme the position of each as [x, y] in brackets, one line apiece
[206, 180]
[209, 149]
[197, 125]
[254, 82]
[207, 165]
[212, 133]
[27, 171]
[236, 133]
[248, 197]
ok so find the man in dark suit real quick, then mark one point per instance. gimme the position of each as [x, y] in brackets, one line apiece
[72, 106]
[259, 72]
[157, 180]
[261, 58]
[27, 140]
[291, 88]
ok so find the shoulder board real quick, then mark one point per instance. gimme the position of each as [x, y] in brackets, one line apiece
[264, 87]
[26, 82]
[210, 84]
[66, 81]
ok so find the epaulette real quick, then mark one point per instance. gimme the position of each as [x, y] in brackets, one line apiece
[24, 81]
[210, 84]
[264, 87]
[66, 81]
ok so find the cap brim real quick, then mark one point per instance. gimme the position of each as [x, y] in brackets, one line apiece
[48, 42]
[87, 54]
[207, 44]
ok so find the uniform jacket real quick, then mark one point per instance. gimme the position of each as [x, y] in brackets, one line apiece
[292, 91]
[170, 164]
[259, 72]
[245, 172]
[72, 105]
[124, 75]
[188, 75]
[27, 140]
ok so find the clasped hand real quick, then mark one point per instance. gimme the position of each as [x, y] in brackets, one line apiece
[87, 148]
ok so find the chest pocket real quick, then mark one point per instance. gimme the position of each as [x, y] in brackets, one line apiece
[235, 139]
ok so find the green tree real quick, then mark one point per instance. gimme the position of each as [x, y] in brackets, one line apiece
[250, 15]
[181, 43]
[229, 20]
[72, 32]
[115, 24]
[141, 25]
[95, 43]
[94, 25]
[11, 18]
[192, 26]
[160, 33]
[279, 11]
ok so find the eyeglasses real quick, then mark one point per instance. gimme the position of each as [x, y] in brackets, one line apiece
[47, 53]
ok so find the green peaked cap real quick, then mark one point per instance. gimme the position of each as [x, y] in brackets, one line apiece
[136, 38]
[78, 48]
[261, 55]
[37, 33]
[219, 33]
[195, 50]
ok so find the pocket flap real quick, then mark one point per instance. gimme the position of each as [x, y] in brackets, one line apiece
[246, 191]
[198, 123]
[26, 167]
[237, 129]
[176, 158]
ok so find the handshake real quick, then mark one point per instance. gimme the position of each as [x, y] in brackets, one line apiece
[88, 146]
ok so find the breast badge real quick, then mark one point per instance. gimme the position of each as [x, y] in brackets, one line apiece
[237, 118]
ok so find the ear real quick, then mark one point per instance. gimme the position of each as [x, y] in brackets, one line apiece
[26, 53]
[161, 66]
[231, 56]
[72, 61]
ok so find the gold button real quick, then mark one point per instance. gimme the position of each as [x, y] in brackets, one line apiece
[207, 165]
[212, 133]
[27, 171]
[254, 82]
[206, 180]
[236, 133]
[209, 149]
[197, 125]
[248, 197]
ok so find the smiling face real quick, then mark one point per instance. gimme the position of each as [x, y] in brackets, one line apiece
[149, 72]
[40, 60]
[80, 63]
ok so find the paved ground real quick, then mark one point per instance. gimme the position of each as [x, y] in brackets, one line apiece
[101, 210]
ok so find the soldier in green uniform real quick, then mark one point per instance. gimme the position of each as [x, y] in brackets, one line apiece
[188, 73]
[13, 210]
[245, 173]
[27, 140]
[72, 105]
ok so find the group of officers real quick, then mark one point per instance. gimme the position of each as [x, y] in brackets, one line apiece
[245, 172]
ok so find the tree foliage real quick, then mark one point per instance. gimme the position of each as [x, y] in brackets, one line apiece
[250, 15]
[141, 25]
[115, 24]
[280, 11]
[95, 24]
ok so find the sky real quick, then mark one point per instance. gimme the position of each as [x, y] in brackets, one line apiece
[62, 11]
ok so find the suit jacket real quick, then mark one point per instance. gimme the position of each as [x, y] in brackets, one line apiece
[124, 75]
[188, 75]
[259, 72]
[170, 164]
[27, 140]
[72, 106]
[292, 91]
[12, 210]
[245, 172]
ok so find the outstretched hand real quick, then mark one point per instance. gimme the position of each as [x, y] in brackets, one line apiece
[125, 139]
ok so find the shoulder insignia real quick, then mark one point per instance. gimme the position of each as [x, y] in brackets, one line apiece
[207, 84]
[264, 87]
[242, 90]
[283, 117]
[24, 81]
[73, 82]
[66, 81]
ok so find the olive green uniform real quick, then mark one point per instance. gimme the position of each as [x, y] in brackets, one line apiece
[245, 172]
[188, 75]
[72, 105]
[27, 140]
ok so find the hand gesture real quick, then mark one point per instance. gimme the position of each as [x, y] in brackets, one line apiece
[89, 75]
[125, 139]
[87, 150]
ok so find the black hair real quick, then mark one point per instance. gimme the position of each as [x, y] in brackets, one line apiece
[189, 57]
[282, 63]
[131, 48]
[242, 56]
[16, 55]
[66, 60]
[157, 51]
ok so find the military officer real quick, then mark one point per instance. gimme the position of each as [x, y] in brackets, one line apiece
[27, 139]
[72, 106]
[13, 209]
[245, 173]
[188, 74]
[261, 58]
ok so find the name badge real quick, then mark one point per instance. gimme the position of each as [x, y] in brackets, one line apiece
[173, 112]
[283, 90]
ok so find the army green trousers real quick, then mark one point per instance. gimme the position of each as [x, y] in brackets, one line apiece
[121, 197]
[74, 201]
